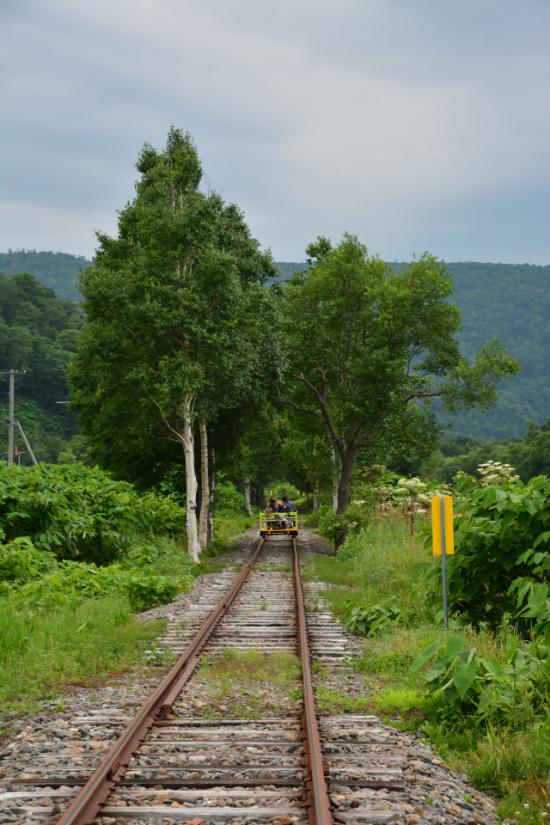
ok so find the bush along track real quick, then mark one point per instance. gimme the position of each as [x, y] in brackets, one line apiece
[479, 693]
[81, 554]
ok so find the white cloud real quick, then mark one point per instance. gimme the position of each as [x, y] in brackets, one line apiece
[392, 119]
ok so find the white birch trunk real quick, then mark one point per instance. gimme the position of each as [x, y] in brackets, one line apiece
[188, 442]
[205, 486]
[212, 495]
[247, 506]
[316, 497]
[335, 474]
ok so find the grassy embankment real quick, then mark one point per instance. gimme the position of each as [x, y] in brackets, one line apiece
[43, 651]
[385, 565]
[73, 624]
[71, 637]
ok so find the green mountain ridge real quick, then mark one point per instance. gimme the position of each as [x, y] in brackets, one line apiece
[508, 301]
[59, 271]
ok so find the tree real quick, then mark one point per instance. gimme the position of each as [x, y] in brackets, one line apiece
[172, 332]
[370, 347]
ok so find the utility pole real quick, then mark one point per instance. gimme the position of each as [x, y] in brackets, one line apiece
[11, 412]
[11, 408]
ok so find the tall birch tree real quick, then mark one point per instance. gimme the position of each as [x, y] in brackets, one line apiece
[170, 304]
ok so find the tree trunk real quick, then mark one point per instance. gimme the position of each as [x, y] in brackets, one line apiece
[316, 496]
[247, 506]
[205, 486]
[193, 545]
[344, 482]
[336, 465]
[212, 495]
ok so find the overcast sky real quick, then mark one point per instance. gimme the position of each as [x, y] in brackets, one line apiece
[417, 124]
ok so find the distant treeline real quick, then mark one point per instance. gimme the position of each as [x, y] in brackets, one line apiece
[508, 301]
[56, 270]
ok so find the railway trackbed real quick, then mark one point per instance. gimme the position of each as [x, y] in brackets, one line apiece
[180, 761]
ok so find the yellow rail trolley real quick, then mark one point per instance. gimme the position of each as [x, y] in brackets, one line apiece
[274, 524]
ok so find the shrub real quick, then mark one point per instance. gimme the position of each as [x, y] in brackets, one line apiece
[369, 620]
[511, 691]
[501, 539]
[228, 498]
[79, 512]
[336, 528]
[21, 561]
[72, 582]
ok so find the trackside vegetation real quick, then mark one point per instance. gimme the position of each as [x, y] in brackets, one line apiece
[479, 693]
[80, 553]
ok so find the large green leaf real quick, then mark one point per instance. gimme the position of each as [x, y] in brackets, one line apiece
[464, 676]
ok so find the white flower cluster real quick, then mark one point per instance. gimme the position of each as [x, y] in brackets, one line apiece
[411, 496]
[495, 472]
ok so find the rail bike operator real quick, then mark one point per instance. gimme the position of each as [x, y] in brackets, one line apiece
[281, 507]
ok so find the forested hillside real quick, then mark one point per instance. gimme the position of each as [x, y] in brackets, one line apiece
[38, 335]
[56, 270]
[513, 303]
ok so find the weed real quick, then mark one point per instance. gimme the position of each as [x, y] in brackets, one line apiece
[250, 681]
[157, 656]
[406, 701]
[334, 702]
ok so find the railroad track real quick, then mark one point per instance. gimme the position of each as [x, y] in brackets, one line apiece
[174, 763]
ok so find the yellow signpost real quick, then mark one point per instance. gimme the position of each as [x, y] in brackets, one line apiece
[443, 540]
[442, 525]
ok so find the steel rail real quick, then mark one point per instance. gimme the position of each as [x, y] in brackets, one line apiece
[317, 798]
[111, 769]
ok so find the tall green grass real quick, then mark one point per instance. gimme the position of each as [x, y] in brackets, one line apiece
[384, 561]
[228, 524]
[41, 651]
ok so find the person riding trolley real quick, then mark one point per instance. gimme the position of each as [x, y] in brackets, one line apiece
[280, 517]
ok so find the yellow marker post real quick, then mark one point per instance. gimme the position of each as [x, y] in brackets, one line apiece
[443, 540]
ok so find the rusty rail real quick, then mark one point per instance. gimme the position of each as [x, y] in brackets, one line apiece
[317, 794]
[86, 805]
